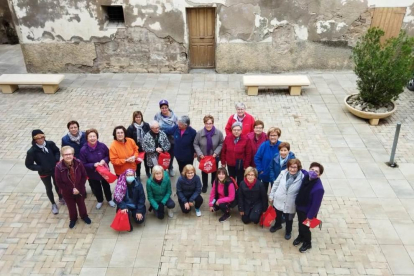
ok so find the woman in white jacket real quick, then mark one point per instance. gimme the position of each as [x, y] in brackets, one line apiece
[283, 194]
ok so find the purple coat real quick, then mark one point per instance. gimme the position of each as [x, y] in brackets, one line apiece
[316, 196]
[90, 156]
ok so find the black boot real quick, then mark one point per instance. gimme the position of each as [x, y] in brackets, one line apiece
[297, 241]
[305, 246]
[274, 228]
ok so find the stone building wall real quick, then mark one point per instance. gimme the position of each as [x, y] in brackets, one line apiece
[251, 35]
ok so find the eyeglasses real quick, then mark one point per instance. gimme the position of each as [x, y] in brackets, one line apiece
[257, 127]
[208, 124]
[68, 154]
[250, 174]
[293, 167]
[235, 129]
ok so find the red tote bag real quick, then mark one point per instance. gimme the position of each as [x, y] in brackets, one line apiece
[312, 223]
[208, 164]
[164, 160]
[268, 217]
[141, 156]
[106, 173]
[121, 222]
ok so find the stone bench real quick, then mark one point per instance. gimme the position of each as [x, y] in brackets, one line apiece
[10, 82]
[294, 83]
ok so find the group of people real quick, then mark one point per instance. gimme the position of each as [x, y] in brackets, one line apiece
[250, 160]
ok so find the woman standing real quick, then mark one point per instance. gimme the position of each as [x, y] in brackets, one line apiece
[167, 120]
[308, 202]
[71, 178]
[136, 131]
[130, 197]
[123, 151]
[208, 142]
[240, 116]
[252, 197]
[280, 160]
[236, 152]
[155, 142]
[283, 195]
[256, 138]
[159, 192]
[189, 190]
[42, 157]
[222, 195]
[265, 155]
[74, 138]
[94, 154]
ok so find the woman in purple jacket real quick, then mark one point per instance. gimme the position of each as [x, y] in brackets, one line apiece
[92, 155]
[308, 202]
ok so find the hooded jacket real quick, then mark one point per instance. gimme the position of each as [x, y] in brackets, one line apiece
[43, 163]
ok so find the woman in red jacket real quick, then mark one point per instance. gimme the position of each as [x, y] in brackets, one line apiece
[243, 117]
[236, 152]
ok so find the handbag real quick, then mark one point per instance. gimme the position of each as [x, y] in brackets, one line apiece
[312, 223]
[164, 160]
[121, 222]
[268, 217]
[106, 173]
[208, 164]
[141, 156]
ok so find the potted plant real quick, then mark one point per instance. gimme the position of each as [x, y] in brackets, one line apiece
[383, 70]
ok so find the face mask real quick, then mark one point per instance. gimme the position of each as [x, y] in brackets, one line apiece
[313, 175]
[130, 179]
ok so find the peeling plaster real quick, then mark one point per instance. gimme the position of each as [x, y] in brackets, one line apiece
[155, 26]
[301, 32]
[409, 16]
[324, 26]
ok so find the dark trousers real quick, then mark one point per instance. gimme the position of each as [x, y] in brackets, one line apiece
[171, 152]
[198, 201]
[224, 207]
[304, 231]
[204, 177]
[47, 181]
[253, 214]
[288, 220]
[71, 202]
[147, 169]
[97, 186]
[182, 164]
[160, 212]
[236, 173]
[266, 185]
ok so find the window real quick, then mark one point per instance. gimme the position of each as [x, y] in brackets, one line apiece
[114, 16]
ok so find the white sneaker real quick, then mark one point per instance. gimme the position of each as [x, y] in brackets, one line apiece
[172, 173]
[112, 203]
[170, 213]
[198, 212]
[99, 205]
[55, 209]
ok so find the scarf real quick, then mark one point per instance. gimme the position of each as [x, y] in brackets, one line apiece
[158, 181]
[283, 160]
[250, 185]
[76, 138]
[140, 132]
[209, 137]
[93, 146]
[303, 197]
[170, 121]
[290, 178]
[43, 147]
[121, 186]
[236, 139]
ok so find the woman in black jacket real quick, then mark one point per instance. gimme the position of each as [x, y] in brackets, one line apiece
[42, 157]
[189, 190]
[136, 131]
[252, 197]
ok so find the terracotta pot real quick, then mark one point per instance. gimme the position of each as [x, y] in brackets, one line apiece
[371, 116]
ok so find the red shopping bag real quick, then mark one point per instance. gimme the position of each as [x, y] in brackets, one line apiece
[164, 160]
[312, 223]
[106, 173]
[208, 164]
[141, 156]
[121, 222]
[268, 217]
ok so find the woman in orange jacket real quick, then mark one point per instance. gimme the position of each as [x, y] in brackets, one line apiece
[123, 151]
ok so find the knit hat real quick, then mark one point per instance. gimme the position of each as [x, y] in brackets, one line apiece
[163, 102]
[37, 133]
[237, 124]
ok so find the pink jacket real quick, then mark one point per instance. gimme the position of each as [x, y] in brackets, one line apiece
[222, 197]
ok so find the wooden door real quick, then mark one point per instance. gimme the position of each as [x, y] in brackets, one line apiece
[389, 20]
[201, 26]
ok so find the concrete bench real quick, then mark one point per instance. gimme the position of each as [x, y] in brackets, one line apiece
[10, 82]
[295, 83]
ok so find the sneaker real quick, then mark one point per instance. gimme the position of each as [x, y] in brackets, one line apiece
[288, 236]
[172, 172]
[62, 201]
[198, 212]
[274, 228]
[72, 224]
[170, 213]
[112, 203]
[297, 241]
[55, 209]
[99, 205]
[204, 189]
[305, 247]
[224, 217]
[87, 220]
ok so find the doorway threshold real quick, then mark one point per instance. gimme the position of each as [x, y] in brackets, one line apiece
[202, 71]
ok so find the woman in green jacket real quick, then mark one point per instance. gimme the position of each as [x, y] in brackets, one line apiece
[159, 192]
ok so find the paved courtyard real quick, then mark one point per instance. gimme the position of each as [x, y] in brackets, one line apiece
[367, 212]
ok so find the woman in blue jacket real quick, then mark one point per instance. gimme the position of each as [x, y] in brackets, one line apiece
[130, 197]
[265, 154]
[280, 160]
[189, 190]
[75, 138]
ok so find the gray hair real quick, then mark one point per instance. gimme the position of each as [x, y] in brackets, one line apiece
[184, 120]
[237, 124]
[153, 124]
[240, 105]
